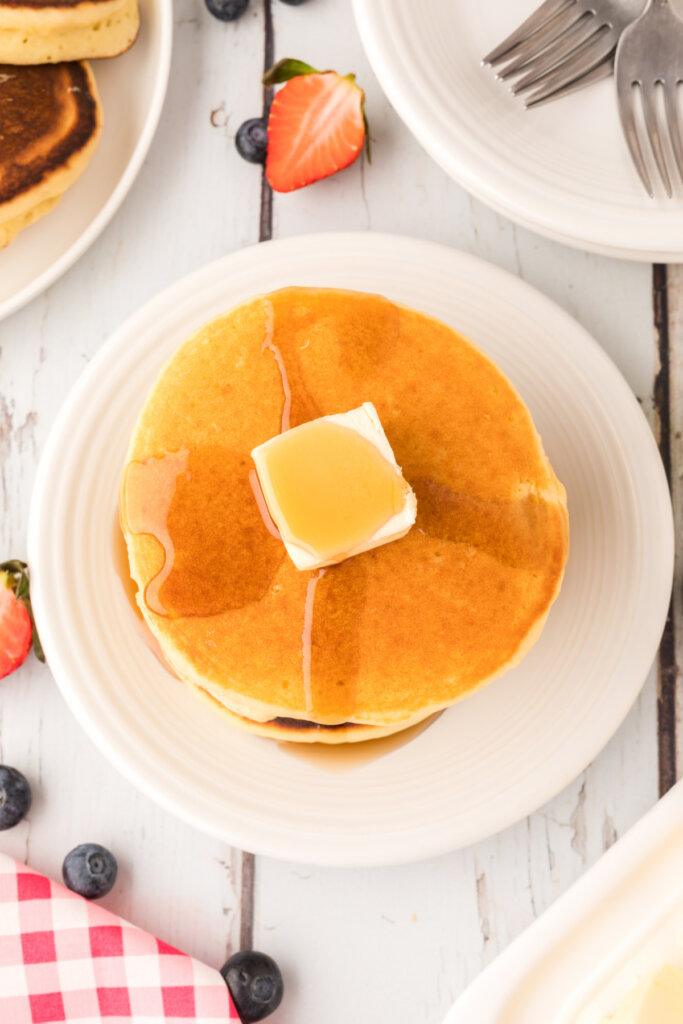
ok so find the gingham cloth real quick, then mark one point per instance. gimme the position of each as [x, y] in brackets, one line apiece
[63, 958]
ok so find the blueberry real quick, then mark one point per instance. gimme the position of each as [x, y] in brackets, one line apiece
[255, 984]
[89, 870]
[227, 10]
[15, 797]
[252, 140]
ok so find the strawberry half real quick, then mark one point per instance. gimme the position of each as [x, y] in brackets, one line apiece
[316, 126]
[17, 629]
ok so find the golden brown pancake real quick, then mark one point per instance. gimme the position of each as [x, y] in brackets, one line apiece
[389, 636]
[51, 31]
[50, 122]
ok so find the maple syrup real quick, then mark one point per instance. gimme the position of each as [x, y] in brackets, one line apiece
[298, 405]
[216, 553]
[347, 757]
[130, 589]
[513, 532]
[122, 567]
[307, 638]
[277, 354]
[262, 506]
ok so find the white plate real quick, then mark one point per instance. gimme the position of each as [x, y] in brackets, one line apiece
[619, 923]
[484, 763]
[132, 89]
[562, 170]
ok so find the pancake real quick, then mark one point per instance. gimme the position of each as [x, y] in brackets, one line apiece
[390, 636]
[50, 123]
[40, 32]
[298, 730]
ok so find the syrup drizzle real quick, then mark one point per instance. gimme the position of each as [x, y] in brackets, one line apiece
[307, 636]
[262, 506]
[268, 343]
[130, 591]
[513, 532]
[165, 472]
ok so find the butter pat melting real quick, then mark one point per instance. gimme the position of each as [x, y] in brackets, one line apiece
[333, 488]
[657, 1000]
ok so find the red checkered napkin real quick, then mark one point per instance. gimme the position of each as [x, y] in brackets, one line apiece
[63, 958]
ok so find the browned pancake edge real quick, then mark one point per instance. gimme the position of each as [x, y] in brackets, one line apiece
[16, 122]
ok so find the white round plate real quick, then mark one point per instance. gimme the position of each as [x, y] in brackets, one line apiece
[485, 762]
[132, 89]
[562, 170]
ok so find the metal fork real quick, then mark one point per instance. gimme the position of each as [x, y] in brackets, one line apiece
[563, 46]
[650, 52]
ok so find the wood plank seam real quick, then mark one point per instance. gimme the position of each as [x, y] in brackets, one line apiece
[666, 660]
[266, 206]
[246, 895]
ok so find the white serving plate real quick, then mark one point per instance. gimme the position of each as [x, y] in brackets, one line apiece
[562, 170]
[132, 89]
[619, 923]
[487, 761]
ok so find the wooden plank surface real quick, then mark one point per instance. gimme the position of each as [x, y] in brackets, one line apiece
[364, 945]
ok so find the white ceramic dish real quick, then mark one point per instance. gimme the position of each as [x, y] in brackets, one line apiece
[562, 170]
[132, 89]
[619, 923]
[487, 761]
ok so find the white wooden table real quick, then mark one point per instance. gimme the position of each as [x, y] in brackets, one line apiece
[357, 945]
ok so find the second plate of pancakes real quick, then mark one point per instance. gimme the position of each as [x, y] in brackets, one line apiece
[485, 762]
[131, 90]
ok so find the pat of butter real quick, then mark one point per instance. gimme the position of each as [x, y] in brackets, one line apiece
[657, 1000]
[333, 488]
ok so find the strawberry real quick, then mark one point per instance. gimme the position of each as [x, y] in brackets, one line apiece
[316, 126]
[17, 629]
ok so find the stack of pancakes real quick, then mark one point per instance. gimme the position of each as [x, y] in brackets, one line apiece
[50, 114]
[386, 638]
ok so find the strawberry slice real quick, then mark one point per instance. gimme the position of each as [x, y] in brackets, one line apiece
[316, 126]
[17, 630]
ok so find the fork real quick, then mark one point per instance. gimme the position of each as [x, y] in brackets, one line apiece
[563, 46]
[650, 52]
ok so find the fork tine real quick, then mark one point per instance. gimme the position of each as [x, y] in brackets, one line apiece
[673, 123]
[536, 45]
[579, 33]
[584, 60]
[648, 98]
[546, 11]
[547, 35]
[603, 70]
[625, 90]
